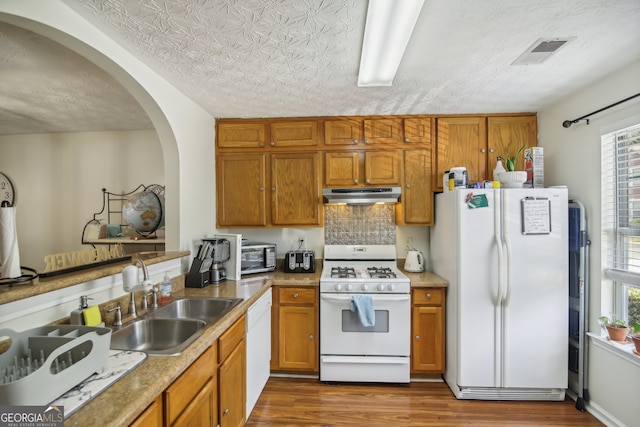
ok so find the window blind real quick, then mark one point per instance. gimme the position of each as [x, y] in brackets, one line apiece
[620, 168]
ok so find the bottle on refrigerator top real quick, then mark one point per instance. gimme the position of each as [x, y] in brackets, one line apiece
[165, 290]
[498, 169]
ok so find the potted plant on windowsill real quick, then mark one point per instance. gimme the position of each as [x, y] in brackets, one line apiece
[513, 178]
[636, 337]
[616, 329]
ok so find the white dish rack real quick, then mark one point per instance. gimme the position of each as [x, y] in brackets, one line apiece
[43, 363]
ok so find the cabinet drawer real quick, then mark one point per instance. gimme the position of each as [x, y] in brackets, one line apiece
[230, 339]
[298, 295]
[184, 389]
[428, 296]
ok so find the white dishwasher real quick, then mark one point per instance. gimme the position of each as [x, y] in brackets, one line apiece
[258, 341]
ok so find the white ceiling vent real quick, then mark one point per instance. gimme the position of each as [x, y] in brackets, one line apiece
[541, 50]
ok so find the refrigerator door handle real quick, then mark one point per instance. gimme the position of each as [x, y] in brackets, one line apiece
[498, 239]
[507, 242]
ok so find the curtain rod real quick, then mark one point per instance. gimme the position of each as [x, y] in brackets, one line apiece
[568, 123]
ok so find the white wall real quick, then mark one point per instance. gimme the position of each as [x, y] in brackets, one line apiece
[572, 158]
[59, 178]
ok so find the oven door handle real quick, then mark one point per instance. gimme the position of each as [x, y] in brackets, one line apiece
[342, 298]
[378, 360]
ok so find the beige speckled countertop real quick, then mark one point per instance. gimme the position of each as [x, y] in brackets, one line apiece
[122, 402]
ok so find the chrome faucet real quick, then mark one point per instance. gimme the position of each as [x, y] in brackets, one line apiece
[131, 282]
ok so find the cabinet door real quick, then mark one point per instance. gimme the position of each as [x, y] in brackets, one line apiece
[344, 131]
[292, 134]
[428, 343]
[507, 134]
[417, 195]
[295, 189]
[241, 135]
[151, 417]
[382, 167]
[202, 409]
[417, 130]
[298, 338]
[241, 180]
[461, 141]
[383, 131]
[341, 169]
[232, 391]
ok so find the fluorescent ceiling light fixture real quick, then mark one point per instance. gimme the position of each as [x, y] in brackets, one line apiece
[386, 35]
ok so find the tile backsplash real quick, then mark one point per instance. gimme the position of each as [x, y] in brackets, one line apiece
[360, 225]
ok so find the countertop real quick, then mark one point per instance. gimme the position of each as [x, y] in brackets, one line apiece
[122, 402]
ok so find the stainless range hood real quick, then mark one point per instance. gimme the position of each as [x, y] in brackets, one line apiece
[362, 196]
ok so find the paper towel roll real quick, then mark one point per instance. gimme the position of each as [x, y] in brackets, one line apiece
[9, 253]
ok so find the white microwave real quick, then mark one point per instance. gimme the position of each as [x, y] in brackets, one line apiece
[257, 257]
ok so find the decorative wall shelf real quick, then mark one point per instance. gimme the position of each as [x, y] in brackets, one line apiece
[109, 228]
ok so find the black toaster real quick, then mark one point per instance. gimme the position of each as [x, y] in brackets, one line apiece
[300, 262]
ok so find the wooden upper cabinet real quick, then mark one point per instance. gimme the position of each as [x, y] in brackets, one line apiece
[417, 196]
[341, 168]
[382, 167]
[241, 180]
[241, 135]
[461, 141]
[343, 131]
[506, 135]
[417, 130]
[295, 188]
[294, 134]
[383, 131]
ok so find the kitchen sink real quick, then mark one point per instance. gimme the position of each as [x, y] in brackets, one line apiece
[168, 330]
[157, 336]
[207, 309]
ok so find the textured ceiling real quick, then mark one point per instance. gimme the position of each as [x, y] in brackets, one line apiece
[273, 58]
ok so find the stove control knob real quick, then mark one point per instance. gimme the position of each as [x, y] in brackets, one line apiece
[338, 287]
[391, 286]
[381, 287]
[347, 288]
[365, 287]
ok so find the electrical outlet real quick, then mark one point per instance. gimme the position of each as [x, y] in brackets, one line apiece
[301, 243]
[410, 242]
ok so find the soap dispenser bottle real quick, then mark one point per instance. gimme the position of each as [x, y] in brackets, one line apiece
[76, 317]
[498, 169]
[165, 290]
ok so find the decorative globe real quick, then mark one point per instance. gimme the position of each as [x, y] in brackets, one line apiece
[143, 212]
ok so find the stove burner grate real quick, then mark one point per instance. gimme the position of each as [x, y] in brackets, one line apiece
[381, 273]
[343, 272]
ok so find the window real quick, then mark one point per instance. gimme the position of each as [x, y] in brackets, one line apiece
[620, 191]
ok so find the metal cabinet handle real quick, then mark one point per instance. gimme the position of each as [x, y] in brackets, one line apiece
[417, 337]
[261, 188]
[408, 185]
[272, 143]
[355, 141]
[491, 150]
[368, 181]
[273, 188]
[226, 412]
[407, 140]
[366, 140]
[429, 295]
[484, 150]
[310, 337]
[261, 144]
[295, 295]
[355, 181]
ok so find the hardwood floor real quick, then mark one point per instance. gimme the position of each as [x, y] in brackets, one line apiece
[307, 402]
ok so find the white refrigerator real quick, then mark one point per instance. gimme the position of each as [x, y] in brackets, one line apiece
[504, 253]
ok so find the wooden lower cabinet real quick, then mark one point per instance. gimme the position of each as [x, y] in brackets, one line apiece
[427, 330]
[191, 399]
[152, 416]
[295, 329]
[232, 376]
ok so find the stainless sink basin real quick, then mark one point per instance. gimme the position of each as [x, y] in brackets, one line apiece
[207, 309]
[157, 336]
[170, 329]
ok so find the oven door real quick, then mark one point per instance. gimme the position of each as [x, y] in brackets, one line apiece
[342, 332]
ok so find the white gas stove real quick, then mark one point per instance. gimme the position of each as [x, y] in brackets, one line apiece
[349, 350]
